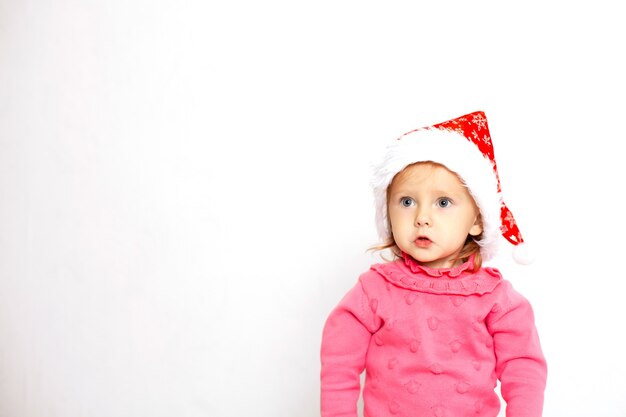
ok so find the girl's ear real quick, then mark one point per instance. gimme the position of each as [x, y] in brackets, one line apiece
[477, 228]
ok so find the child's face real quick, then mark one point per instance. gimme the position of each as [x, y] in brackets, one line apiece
[431, 214]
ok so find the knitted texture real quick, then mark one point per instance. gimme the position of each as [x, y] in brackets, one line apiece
[433, 343]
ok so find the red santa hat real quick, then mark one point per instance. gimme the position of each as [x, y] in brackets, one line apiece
[464, 146]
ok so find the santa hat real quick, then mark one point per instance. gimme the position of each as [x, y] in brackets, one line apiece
[464, 146]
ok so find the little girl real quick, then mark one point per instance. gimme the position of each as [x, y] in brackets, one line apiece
[434, 329]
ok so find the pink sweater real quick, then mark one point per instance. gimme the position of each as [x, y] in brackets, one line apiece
[433, 343]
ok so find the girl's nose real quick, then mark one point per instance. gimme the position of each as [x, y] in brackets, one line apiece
[422, 219]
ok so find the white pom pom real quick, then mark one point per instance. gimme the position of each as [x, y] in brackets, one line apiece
[523, 255]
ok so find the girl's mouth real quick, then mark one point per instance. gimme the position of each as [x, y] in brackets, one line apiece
[423, 242]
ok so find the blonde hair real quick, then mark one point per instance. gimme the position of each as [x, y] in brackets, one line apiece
[471, 246]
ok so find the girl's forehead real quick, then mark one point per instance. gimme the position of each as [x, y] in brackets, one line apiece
[433, 178]
[427, 172]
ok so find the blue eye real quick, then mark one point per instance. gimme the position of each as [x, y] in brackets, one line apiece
[407, 202]
[444, 202]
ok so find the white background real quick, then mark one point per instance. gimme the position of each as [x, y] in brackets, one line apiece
[184, 189]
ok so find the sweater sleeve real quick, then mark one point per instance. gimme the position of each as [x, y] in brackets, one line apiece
[345, 341]
[520, 364]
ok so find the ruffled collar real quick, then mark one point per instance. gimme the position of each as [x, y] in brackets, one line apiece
[459, 280]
